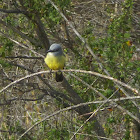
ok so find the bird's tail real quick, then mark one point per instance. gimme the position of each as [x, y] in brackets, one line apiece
[59, 77]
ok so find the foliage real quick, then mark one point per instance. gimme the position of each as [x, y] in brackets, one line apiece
[109, 29]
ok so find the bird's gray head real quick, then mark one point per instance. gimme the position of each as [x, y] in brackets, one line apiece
[55, 48]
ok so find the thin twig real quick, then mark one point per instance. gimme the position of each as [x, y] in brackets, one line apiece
[22, 57]
[7, 102]
[22, 45]
[73, 70]
[92, 136]
[9, 26]
[12, 11]
[104, 76]
[18, 80]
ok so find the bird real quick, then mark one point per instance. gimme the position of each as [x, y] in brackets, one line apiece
[55, 59]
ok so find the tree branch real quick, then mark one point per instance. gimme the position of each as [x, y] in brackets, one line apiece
[15, 30]
[23, 99]
[106, 77]
[76, 106]
[12, 11]
[22, 45]
[73, 70]
[39, 28]
[55, 94]
[21, 57]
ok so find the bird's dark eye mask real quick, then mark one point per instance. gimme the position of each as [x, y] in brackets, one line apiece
[55, 50]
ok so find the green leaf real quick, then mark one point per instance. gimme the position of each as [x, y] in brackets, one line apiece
[2, 49]
[138, 69]
[126, 35]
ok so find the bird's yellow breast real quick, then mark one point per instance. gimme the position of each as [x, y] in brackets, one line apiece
[55, 62]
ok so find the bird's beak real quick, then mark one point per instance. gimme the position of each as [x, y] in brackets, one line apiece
[49, 51]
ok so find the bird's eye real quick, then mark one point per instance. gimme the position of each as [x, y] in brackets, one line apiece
[56, 50]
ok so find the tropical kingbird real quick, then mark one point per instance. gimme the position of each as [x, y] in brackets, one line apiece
[55, 60]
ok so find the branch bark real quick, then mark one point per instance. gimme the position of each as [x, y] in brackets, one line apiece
[40, 30]
[12, 11]
[24, 36]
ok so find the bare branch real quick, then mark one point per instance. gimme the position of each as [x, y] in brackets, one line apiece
[76, 106]
[106, 77]
[15, 30]
[22, 45]
[12, 11]
[22, 99]
[40, 30]
[22, 57]
[92, 136]
[73, 70]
